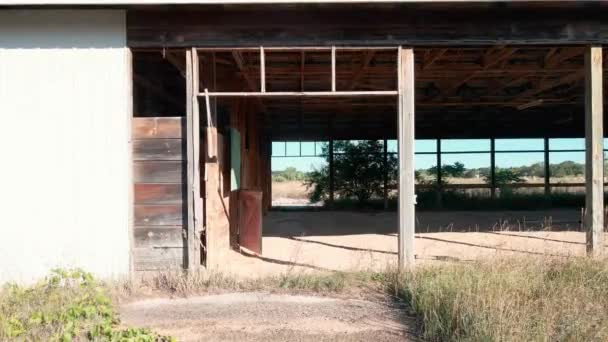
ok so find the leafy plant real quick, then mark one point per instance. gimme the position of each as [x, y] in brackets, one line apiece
[68, 305]
[359, 170]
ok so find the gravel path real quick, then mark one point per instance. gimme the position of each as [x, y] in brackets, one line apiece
[271, 317]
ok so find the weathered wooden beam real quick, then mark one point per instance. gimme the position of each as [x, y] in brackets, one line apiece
[367, 59]
[493, 168]
[594, 151]
[341, 26]
[547, 164]
[569, 78]
[190, 95]
[564, 54]
[406, 123]
[434, 56]
[489, 60]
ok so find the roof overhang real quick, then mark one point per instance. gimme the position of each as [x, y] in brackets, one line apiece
[222, 2]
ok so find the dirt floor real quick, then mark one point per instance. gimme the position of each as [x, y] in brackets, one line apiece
[297, 241]
[271, 317]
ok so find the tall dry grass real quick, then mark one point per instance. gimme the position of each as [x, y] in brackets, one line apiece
[510, 300]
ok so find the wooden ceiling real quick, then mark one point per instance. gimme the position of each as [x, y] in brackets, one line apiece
[501, 91]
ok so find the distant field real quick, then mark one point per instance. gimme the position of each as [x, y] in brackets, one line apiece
[289, 189]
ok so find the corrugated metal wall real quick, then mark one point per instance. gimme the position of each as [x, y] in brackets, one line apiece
[65, 174]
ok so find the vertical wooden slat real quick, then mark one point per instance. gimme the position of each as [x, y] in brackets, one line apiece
[406, 123]
[594, 151]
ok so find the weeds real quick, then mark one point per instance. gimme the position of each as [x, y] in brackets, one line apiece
[68, 305]
[510, 300]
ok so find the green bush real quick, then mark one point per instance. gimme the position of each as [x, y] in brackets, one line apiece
[68, 305]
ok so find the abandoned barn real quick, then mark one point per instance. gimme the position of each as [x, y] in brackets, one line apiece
[140, 135]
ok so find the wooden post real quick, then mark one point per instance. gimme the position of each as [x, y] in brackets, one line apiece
[262, 70]
[492, 168]
[385, 175]
[439, 179]
[594, 151]
[547, 168]
[193, 251]
[406, 123]
[331, 172]
[333, 68]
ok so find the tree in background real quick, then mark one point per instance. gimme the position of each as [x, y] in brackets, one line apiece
[289, 174]
[503, 177]
[359, 170]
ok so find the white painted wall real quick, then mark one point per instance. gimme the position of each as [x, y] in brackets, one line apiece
[65, 170]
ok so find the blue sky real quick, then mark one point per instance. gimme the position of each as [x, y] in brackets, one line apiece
[283, 153]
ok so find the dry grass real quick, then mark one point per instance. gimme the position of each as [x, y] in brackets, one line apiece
[511, 300]
[289, 189]
[183, 284]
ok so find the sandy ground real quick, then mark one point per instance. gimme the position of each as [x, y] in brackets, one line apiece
[348, 241]
[296, 241]
[271, 317]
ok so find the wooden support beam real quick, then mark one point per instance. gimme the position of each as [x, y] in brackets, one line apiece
[385, 174]
[262, 70]
[433, 57]
[547, 167]
[594, 151]
[333, 68]
[488, 61]
[406, 123]
[439, 176]
[190, 95]
[493, 168]
[331, 164]
[369, 56]
[569, 78]
[564, 54]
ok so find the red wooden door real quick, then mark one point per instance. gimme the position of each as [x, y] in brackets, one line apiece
[250, 220]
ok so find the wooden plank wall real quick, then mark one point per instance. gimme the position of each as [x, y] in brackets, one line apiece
[159, 157]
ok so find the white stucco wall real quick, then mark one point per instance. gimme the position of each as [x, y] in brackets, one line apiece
[65, 172]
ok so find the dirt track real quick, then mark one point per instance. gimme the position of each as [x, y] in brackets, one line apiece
[270, 317]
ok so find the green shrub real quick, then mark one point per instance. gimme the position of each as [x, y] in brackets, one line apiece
[68, 305]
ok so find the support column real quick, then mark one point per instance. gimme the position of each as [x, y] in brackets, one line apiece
[406, 124]
[594, 151]
[492, 168]
[385, 175]
[331, 172]
[439, 180]
[547, 169]
[194, 200]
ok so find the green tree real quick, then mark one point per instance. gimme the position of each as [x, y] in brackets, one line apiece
[455, 170]
[503, 177]
[359, 171]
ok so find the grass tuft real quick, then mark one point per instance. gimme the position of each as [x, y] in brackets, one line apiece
[510, 300]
